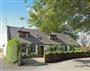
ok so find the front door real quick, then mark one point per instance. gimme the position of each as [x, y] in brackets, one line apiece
[41, 51]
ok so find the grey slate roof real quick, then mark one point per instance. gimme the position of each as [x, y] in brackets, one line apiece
[66, 39]
[34, 34]
[37, 37]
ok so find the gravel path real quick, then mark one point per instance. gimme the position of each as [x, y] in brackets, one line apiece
[80, 64]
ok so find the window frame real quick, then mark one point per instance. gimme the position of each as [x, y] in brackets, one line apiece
[33, 48]
[24, 34]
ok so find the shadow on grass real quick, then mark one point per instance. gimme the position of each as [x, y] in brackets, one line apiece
[83, 63]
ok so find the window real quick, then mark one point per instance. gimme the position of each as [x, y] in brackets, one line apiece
[53, 37]
[23, 48]
[33, 49]
[23, 34]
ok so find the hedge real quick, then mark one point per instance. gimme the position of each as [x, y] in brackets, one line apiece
[12, 52]
[54, 57]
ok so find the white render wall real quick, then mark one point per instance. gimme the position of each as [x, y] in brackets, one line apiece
[4, 41]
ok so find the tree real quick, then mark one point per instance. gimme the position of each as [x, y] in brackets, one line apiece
[13, 50]
[52, 14]
[43, 18]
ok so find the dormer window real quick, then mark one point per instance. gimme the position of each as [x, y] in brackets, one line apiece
[53, 37]
[23, 34]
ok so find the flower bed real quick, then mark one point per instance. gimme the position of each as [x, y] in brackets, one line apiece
[54, 57]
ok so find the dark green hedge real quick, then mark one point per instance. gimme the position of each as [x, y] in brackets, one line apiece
[54, 57]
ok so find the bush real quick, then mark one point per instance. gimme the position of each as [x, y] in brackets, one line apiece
[12, 52]
[32, 55]
[53, 48]
[54, 57]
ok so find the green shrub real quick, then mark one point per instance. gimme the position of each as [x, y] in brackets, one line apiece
[12, 52]
[53, 48]
[33, 55]
[54, 57]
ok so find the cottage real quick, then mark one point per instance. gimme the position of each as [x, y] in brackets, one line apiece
[38, 42]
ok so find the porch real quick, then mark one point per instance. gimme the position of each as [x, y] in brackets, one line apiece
[34, 50]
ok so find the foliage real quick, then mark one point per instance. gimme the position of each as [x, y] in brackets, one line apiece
[33, 55]
[22, 18]
[53, 48]
[12, 52]
[54, 57]
[53, 14]
[20, 62]
[62, 48]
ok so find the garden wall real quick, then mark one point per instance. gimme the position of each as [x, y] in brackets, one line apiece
[54, 57]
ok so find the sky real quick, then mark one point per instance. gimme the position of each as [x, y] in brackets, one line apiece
[10, 13]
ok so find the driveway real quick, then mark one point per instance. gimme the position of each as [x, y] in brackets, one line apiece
[79, 64]
[1, 55]
[0, 61]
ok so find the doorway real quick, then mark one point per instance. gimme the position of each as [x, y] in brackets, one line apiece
[40, 51]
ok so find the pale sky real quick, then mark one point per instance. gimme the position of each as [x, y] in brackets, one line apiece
[10, 13]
